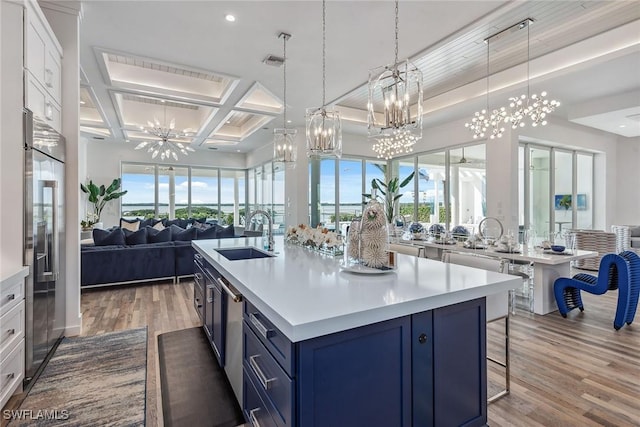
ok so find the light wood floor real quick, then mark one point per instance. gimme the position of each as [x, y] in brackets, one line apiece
[577, 371]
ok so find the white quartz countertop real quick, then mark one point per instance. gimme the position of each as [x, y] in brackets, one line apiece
[306, 294]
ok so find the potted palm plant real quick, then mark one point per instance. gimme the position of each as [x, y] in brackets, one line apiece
[99, 196]
[389, 191]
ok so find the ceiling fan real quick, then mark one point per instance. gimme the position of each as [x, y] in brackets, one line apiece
[469, 162]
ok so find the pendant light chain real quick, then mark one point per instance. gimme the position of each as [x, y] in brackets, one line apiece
[528, 61]
[324, 12]
[284, 42]
[396, 50]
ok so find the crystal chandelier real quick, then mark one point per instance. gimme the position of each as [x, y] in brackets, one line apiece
[396, 90]
[534, 108]
[283, 147]
[164, 146]
[324, 127]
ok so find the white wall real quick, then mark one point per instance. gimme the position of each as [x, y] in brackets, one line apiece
[627, 210]
[104, 161]
[11, 140]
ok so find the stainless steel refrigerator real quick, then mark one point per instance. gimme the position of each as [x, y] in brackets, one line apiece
[44, 241]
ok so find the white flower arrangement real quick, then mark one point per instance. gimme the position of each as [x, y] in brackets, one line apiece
[315, 237]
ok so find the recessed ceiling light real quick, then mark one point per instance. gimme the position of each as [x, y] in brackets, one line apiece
[162, 100]
[230, 18]
[238, 151]
[82, 102]
[623, 126]
[228, 121]
[288, 121]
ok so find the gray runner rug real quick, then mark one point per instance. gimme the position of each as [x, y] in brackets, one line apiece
[97, 380]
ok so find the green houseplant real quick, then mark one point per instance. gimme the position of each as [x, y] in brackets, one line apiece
[389, 191]
[99, 196]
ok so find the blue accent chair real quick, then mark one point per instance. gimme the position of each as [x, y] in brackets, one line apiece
[620, 272]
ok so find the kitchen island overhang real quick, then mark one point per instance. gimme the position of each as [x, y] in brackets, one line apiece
[306, 295]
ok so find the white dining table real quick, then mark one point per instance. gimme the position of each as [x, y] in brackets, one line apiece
[547, 266]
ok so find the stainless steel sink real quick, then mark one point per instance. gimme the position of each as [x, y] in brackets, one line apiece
[235, 254]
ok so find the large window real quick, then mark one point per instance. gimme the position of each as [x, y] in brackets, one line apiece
[266, 191]
[140, 182]
[557, 189]
[423, 198]
[182, 191]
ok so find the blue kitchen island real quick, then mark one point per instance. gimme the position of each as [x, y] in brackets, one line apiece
[318, 346]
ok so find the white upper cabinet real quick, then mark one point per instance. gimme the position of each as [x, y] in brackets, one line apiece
[42, 62]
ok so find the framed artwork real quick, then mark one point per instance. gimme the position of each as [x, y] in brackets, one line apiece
[564, 202]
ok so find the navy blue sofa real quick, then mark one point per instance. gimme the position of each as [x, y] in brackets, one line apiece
[119, 256]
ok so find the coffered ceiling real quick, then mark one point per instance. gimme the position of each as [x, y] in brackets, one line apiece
[146, 60]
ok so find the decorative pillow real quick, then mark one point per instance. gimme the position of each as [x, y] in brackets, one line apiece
[180, 234]
[206, 233]
[200, 220]
[135, 237]
[201, 226]
[224, 232]
[634, 231]
[130, 224]
[157, 236]
[151, 222]
[104, 237]
[182, 223]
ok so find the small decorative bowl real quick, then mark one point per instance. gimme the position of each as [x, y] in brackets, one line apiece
[557, 248]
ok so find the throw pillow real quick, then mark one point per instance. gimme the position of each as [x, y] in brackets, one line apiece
[151, 222]
[182, 223]
[104, 237]
[201, 226]
[207, 233]
[157, 236]
[130, 224]
[135, 237]
[225, 232]
[180, 234]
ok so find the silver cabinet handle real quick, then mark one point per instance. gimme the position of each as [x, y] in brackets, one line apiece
[198, 257]
[11, 331]
[48, 77]
[11, 297]
[264, 331]
[252, 417]
[266, 382]
[235, 296]
[198, 276]
[48, 111]
[209, 294]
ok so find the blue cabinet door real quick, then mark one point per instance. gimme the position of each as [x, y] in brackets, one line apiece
[218, 326]
[359, 377]
[449, 367]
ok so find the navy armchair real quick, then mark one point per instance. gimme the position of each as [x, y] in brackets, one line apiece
[620, 272]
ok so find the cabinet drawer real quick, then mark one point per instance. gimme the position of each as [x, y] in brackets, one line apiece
[254, 409]
[11, 328]
[269, 378]
[10, 295]
[12, 372]
[279, 345]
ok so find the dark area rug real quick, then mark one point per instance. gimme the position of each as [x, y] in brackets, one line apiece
[98, 380]
[195, 390]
